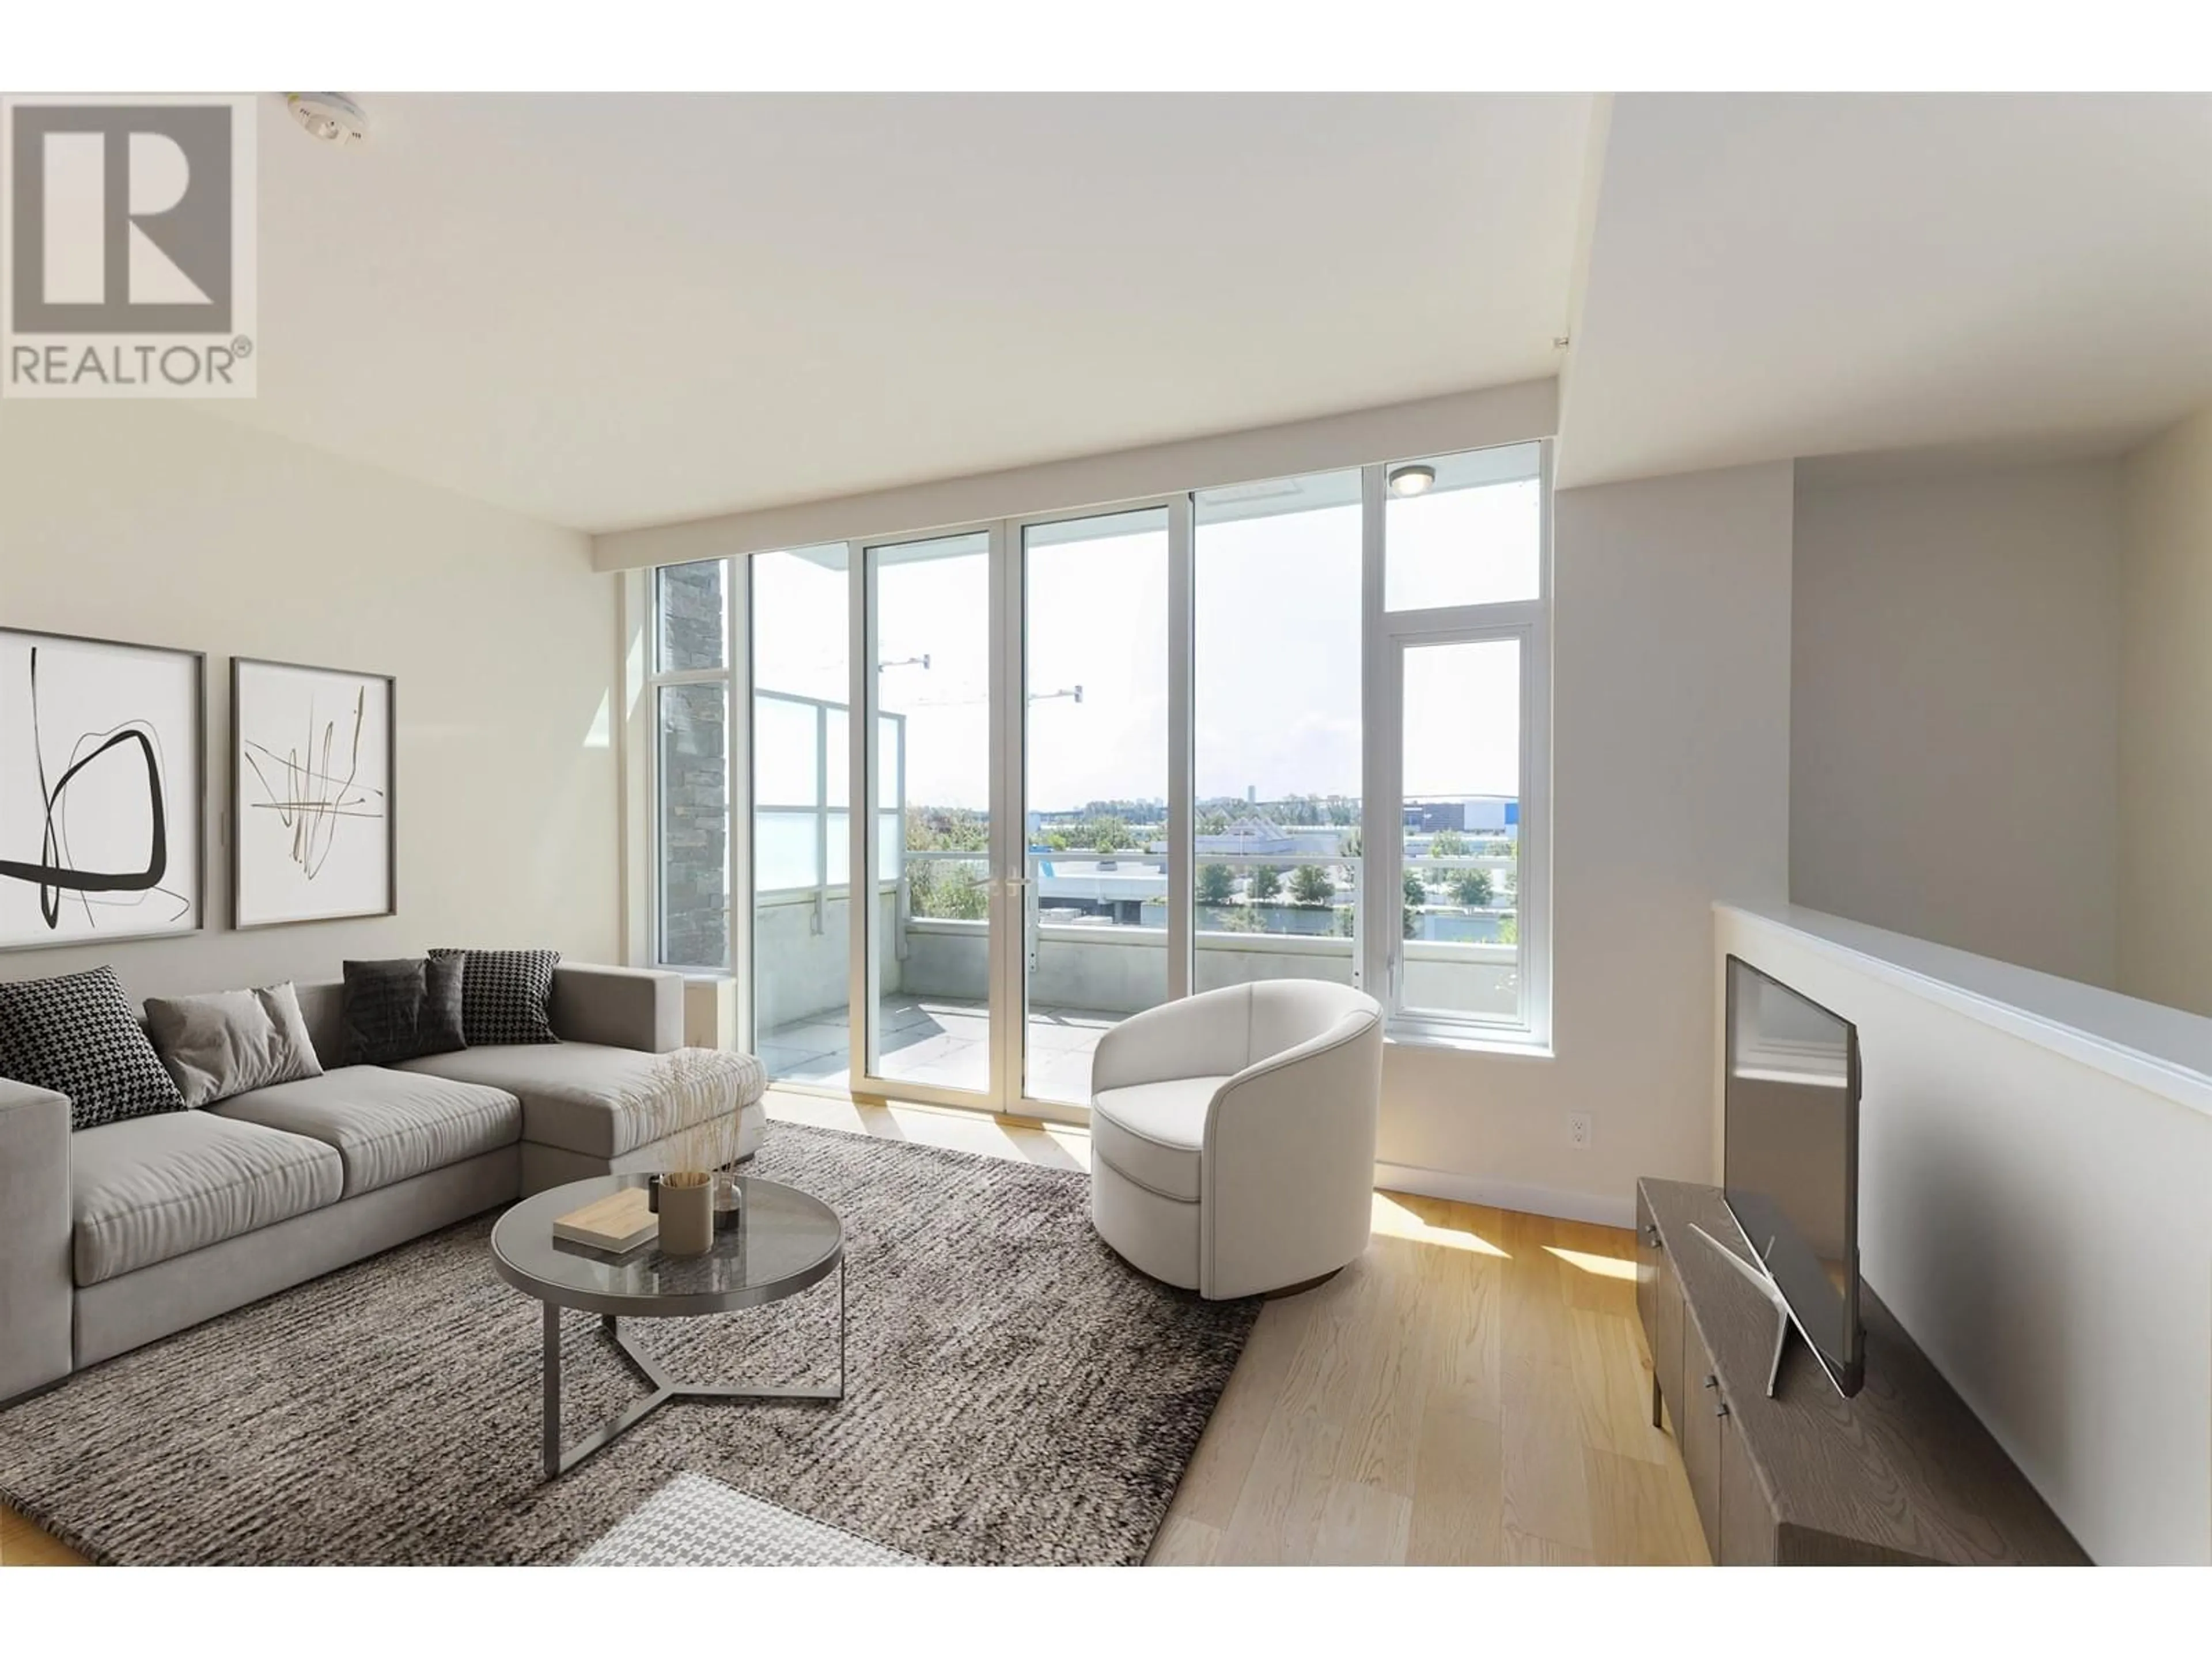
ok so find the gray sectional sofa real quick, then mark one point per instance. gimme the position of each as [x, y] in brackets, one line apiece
[113, 1237]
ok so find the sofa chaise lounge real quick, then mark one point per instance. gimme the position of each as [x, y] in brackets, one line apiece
[113, 1237]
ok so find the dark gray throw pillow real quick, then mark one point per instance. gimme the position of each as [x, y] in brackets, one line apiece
[506, 996]
[77, 1035]
[397, 1009]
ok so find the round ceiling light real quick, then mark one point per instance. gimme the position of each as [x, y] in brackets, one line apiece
[330, 116]
[1411, 480]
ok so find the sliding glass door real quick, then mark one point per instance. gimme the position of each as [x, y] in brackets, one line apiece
[927, 619]
[802, 814]
[1016, 676]
[1097, 864]
[1051, 852]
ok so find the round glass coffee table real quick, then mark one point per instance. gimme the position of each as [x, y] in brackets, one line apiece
[783, 1241]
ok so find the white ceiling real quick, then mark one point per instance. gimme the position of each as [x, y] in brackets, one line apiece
[611, 310]
[1772, 276]
[614, 311]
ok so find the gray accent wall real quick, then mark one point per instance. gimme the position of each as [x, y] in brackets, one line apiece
[1956, 707]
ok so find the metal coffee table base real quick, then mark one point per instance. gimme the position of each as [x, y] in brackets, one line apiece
[665, 1389]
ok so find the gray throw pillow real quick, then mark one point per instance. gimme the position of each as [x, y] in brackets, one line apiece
[227, 1041]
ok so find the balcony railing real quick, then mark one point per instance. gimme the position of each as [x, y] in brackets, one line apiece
[1112, 965]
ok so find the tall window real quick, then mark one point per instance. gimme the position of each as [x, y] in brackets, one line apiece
[801, 812]
[932, 605]
[1460, 812]
[1463, 647]
[1276, 744]
[691, 715]
[1095, 776]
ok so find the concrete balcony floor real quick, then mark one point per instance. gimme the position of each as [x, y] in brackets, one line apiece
[945, 1041]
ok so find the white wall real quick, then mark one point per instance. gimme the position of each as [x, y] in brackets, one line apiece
[1955, 708]
[2165, 723]
[2035, 1206]
[154, 523]
[1671, 789]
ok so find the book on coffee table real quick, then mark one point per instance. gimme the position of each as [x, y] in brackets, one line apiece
[620, 1221]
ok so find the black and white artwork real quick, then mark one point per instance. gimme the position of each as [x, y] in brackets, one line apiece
[100, 790]
[311, 794]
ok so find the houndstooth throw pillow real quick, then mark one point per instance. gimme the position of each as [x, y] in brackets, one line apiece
[506, 996]
[77, 1035]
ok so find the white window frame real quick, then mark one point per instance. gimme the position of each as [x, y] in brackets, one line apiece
[1377, 951]
[1386, 635]
[864, 955]
[1532, 1025]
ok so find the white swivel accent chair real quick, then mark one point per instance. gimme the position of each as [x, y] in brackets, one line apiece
[1232, 1135]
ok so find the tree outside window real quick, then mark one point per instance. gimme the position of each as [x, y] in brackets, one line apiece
[930, 828]
[946, 889]
[957, 895]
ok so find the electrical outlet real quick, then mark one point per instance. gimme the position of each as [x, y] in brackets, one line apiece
[1578, 1131]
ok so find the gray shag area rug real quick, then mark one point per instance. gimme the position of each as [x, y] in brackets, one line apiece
[1016, 1394]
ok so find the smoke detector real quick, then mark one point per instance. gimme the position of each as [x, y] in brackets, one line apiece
[330, 116]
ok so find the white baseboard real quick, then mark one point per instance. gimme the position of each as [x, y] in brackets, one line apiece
[1506, 1195]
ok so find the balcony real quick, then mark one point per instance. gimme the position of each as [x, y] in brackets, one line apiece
[1097, 952]
[943, 1041]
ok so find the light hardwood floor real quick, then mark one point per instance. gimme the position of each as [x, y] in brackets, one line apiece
[1472, 1390]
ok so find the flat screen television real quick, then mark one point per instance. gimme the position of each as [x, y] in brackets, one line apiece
[1792, 1159]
